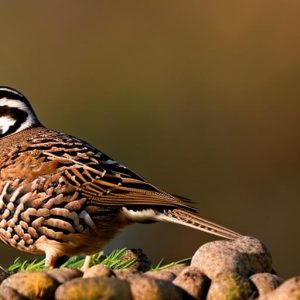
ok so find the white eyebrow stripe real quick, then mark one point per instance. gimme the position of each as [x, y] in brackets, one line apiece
[11, 91]
[14, 103]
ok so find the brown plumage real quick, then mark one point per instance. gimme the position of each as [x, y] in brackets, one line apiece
[59, 196]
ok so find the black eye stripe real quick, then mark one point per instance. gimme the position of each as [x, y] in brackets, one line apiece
[13, 96]
[13, 112]
[14, 105]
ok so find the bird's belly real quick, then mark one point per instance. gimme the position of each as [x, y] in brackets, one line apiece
[34, 221]
[86, 243]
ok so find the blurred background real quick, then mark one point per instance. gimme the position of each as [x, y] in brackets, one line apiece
[202, 98]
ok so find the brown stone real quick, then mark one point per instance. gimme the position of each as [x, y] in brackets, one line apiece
[231, 286]
[177, 269]
[147, 288]
[161, 275]
[265, 282]
[64, 274]
[33, 285]
[194, 282]
[98, 271]
[3, 274]
[94, 288]
[142, 263]
[7, 293]
[124, 274]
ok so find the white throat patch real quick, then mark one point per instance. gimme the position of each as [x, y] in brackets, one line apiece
[6, 123]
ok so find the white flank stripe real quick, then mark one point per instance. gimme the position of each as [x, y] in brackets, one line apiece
[139, 215]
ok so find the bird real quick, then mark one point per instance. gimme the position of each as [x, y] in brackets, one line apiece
[62, 197]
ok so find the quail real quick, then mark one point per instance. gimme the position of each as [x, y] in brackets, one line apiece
[60, 196]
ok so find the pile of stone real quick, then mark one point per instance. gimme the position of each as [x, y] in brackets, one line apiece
[240, 269]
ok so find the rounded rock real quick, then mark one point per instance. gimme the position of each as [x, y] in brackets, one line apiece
[3, 274]
[231, 286]
[32, 285]
[64, 274]
[7, 293]
[258, 254]
[98, 271]
[124, 274]
[146, 288]
[265, 282]
[177, 269]
[142, 262]
[161, 275]
[289, 290]
[94, 288]
[245, 256]
[194, 282]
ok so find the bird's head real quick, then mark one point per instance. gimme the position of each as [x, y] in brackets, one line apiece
[16, 113]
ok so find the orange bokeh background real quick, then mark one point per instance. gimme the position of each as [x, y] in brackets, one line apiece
[199, 97]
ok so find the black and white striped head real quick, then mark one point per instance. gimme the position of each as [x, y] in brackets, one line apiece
[16, 113]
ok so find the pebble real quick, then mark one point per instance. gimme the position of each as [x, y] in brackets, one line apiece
[177, 269]
[3, 274]
[64, 274]
[33, 285]
[98, 271]
[265, 282]
[123, 274]
[194, 282]
[231, 286]
[142, 263]
[147, 288]
[289, 290]
[161, 275]
[7, 293]
[94, 288]
[245, 256]
[237, 270]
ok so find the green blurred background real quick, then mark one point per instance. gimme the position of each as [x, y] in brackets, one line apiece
[199, 97]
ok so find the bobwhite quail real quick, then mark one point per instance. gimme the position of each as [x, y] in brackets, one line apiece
[60, 196]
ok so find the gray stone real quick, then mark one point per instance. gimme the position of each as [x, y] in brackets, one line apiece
[289, 290]
[265, 282]
[245, 256]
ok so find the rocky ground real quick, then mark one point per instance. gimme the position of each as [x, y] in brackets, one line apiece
[240, 269]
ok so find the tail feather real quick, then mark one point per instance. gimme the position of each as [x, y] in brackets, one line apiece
[178, 216]
[190, 219]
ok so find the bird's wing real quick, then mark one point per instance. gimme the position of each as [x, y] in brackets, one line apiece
[106, 182]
